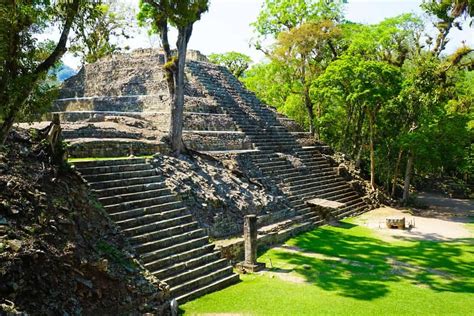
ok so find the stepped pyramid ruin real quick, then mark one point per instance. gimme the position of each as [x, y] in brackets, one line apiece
[118, 106]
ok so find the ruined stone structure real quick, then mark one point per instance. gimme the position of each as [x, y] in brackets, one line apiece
[118, 107]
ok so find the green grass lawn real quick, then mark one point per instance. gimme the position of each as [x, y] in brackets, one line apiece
[347, 270]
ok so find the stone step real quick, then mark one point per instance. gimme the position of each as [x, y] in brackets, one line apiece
[327, 180]
[130, 189]
[119, 175]
[179, 267]
[167, 210]
[273, 162]
[320, 188]
[194, 273]
[153, 245]
[149, 217]
[307, 176]
[110, 184]
[113, 169]
[140, 229]
[328, 194]
[163, 253]
[120, 207]
[284, 165]
[312, 179]
[108, 162]
[216, 285]
[163, 233]
[345, 197]
[353, 211]
[201, 281]
[134, 196]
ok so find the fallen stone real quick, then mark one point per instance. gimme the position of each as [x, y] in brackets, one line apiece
[15, 244]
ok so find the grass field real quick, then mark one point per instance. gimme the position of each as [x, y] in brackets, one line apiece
[348, 270]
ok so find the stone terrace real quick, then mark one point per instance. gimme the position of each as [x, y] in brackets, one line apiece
[118, 107]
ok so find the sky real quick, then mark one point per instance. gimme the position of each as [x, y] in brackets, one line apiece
[226, 26]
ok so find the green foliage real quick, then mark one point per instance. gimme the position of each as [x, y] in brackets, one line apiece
[26, 88]
[115, 255]
[99, 30]
[178, 13]
[373, 88]
[282, 15]
[237, 63]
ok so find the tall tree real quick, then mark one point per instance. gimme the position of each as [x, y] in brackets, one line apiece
[368, 85]
[237, 63]
[278, 16]
[307, 50]
[24, 60]
[181, 14]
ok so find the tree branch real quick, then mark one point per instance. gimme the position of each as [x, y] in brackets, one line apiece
[60, 48]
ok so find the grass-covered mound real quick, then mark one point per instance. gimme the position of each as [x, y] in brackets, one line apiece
[348, 270]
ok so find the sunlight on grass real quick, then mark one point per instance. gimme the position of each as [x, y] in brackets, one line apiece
[347, 270]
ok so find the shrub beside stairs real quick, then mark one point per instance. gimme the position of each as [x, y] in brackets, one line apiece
[169, 243]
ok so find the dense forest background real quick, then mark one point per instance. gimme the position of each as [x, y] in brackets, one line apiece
[388, 95]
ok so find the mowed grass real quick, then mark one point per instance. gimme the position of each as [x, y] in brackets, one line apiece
[347, 270]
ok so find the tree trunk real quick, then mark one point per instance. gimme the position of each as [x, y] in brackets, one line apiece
[396, 172]
[358, 139]
[406, 187]
[177, 106]
[309, 109]
[372, 153]
[6, 126]
[170, 68]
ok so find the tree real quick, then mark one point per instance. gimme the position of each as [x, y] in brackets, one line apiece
[278, 16]
[181, 14]
[24, 60]
[237, 63]
[367, 85]
[447, 14]
[99, 30]
[307, 50]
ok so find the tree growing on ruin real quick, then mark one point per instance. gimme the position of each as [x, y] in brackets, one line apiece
[237, 63]
[180, 14]
[100, 29]
[24, 59]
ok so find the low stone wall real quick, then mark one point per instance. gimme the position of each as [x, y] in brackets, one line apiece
[112, 148]
[216, 140]
[139, 103]
[233, 249]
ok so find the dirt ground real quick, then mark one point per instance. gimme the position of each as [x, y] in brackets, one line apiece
[446, 228]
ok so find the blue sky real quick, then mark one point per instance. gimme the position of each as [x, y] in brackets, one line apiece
[226, 27]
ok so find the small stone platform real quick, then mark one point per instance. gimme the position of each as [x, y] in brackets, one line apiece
[325, 203]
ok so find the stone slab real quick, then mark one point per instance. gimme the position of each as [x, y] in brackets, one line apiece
[325, 203]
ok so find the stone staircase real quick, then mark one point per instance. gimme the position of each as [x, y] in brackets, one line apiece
[301, 172]
[169, 242]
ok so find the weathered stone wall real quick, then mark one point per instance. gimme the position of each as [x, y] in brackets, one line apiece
[105, 148]
[139, 103]
[205, 141]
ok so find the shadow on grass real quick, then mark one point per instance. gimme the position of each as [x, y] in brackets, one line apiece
[362, 267]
